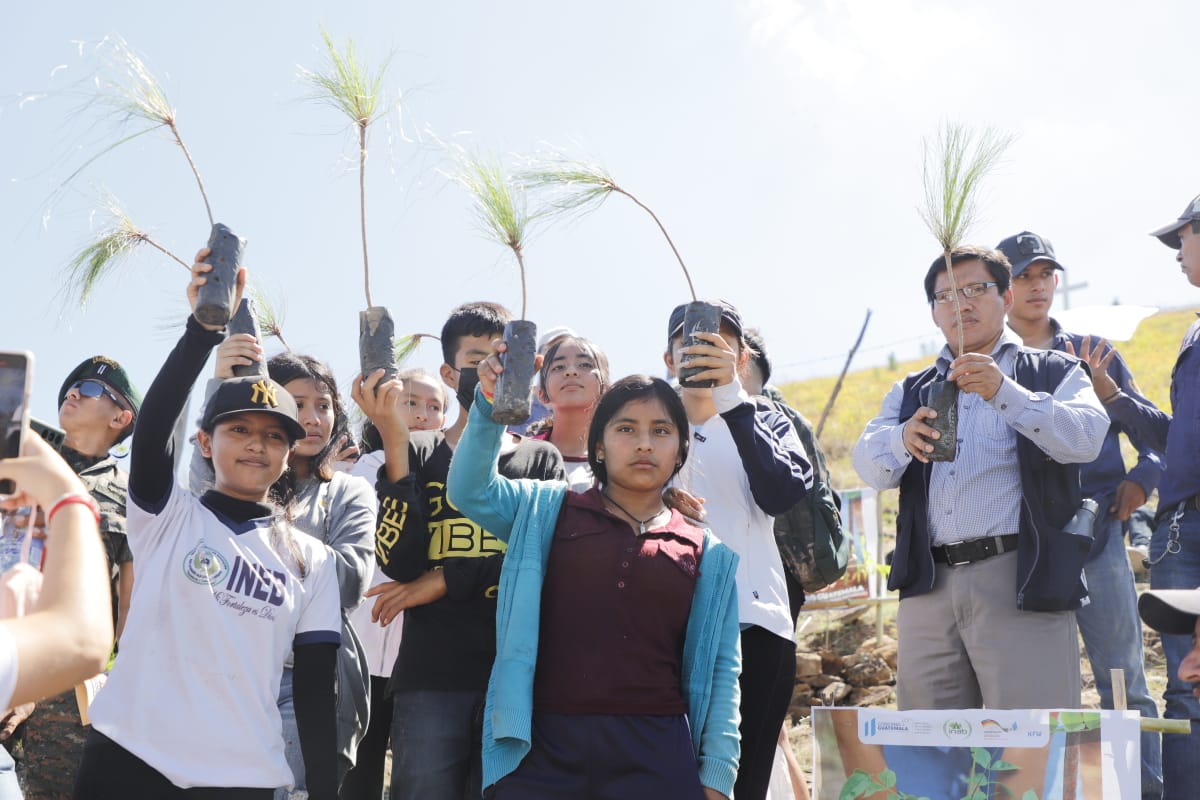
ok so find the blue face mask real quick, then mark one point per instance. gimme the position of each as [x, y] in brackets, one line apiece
[468, 379]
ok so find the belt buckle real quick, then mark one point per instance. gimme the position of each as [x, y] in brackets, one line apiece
[950, 559]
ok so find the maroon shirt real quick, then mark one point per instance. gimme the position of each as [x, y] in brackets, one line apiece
[615, 608]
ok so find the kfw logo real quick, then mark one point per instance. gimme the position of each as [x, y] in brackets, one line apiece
[869, 728]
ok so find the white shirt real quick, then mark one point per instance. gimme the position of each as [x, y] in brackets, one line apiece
[215, 612]
[714, 471]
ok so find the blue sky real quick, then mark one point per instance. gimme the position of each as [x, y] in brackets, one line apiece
[779, 141]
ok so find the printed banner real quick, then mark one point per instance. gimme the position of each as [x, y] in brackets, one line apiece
[978, 753]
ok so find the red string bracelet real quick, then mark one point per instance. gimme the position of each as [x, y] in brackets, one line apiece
[69, 498]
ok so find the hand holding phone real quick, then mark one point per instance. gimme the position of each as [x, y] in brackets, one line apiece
[16, 378]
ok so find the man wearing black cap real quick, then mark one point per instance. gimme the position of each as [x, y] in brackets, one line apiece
[1175, 546]
[988, 579]
[97, 405]
[1109, 624]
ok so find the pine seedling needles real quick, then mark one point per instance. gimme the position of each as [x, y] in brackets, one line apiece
[107, 250]
[131, 90]
[407, 345]
[270, 314]
[349, 86]
[499, 204]
[953, 170]
[575, 186]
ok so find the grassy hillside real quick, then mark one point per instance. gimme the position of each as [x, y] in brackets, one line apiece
[1150, 355]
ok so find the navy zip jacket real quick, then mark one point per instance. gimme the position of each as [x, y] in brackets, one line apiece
[1049, 561]
[1100, 478]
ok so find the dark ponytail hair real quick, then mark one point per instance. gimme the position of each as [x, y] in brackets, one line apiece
[627, 390]
[287, 367]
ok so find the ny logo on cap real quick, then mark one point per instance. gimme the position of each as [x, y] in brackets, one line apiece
[264, 393]
[1030, 244]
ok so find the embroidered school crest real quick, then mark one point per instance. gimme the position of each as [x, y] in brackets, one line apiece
[204, 565]
[264, 394]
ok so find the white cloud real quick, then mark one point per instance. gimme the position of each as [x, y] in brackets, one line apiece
[849, 42]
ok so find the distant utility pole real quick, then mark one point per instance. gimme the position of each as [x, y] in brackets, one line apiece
[1066, 292]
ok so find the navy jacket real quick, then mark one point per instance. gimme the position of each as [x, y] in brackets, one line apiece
[1049, 561]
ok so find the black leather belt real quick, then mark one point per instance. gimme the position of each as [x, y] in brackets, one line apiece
[1164, 512]
[958, 553]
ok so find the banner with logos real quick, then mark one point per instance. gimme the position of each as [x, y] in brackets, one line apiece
[953, 755]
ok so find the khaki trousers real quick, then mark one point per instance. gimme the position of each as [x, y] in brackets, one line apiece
[966, 645]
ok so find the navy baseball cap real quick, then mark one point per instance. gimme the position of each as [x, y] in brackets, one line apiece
[729, 315]
[1169, 234]
[1026, 248]
[253, 393]
[1170, 610]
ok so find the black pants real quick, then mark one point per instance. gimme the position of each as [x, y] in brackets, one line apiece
[365, 780]
[767, 681]
[110, 772]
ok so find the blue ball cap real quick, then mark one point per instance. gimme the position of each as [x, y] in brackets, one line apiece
[1169, 234]
[1026, 248]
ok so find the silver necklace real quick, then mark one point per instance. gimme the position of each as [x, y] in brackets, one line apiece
[641, 522]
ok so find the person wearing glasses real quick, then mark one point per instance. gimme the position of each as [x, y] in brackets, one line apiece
[97, 405]
[1109, 624]
[988, 579]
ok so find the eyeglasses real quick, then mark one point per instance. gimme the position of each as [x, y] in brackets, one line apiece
[90, 388]
[970, 290]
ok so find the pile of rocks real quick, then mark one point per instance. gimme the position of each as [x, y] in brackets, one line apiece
[866, 677]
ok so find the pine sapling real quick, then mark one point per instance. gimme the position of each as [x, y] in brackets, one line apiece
[348, 85]
[502, 215]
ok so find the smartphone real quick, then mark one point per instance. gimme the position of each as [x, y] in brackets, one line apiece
[16, 378]
[53, 436]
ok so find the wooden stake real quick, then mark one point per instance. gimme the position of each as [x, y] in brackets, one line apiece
[1120, 703]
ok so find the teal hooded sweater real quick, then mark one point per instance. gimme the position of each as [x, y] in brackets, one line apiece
[524, 513]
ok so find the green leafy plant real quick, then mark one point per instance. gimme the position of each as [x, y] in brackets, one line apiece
[575, 186]
[348, 85]
[980, 782]
[499, 204]
[112, 244]
[954, 168]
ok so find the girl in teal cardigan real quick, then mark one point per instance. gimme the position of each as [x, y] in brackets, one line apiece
[626, 648]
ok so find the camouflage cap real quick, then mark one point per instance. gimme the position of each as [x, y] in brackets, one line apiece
[253, 393]
[108, 372]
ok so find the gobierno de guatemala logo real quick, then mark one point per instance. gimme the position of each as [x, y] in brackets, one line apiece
[956, 728]
[204, 565]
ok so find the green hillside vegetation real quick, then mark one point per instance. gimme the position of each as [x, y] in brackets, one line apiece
[1150, 355]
